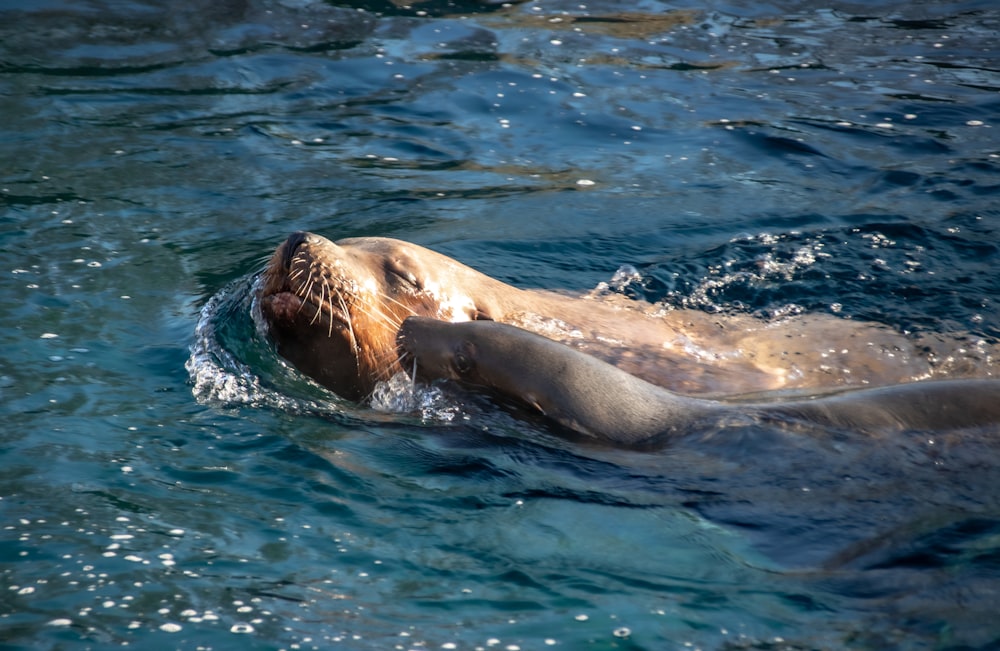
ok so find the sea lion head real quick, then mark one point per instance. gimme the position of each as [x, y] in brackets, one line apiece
[492, 355]
[333, 308]
[434, 352]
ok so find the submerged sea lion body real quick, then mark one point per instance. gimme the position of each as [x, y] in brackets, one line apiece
[594, 398]
[333, 309]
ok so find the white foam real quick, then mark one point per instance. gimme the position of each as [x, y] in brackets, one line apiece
[218, 376]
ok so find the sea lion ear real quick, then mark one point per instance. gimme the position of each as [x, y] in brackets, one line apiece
[479, 315]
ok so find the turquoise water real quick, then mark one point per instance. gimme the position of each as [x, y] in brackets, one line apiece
[168, 483]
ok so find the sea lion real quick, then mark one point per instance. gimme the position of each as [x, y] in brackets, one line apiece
[605, 403]
[333, 308]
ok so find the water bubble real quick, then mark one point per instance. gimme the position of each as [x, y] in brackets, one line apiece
[397, 395]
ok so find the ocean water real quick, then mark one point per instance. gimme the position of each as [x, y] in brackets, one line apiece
[166, 482]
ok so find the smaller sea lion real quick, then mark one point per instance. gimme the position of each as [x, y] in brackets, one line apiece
[599, 400]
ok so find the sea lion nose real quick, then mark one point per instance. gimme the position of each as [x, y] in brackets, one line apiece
[405, 357]
[291, 245]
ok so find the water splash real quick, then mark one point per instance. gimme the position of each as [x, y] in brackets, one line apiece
[402, 395]
[770, 266]
[220, 377]
[622, 279]
[217, 375]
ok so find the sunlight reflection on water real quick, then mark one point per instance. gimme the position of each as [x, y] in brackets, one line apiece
[738, 157]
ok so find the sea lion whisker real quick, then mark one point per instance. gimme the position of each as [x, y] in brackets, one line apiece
[410, 311]
[387, 319]
[396, 301]
[394, 320]
[385, 362]
[381, 365]
[349, 322]
[305, 289]
[361, 308]
[319, 309]
[329, 331]
[380, 317]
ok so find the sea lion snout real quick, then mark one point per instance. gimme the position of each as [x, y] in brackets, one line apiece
[403, 337]
[426, 344]
[291, 246]
[409, 339]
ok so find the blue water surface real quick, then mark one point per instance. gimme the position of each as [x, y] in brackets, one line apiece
[166, 482]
